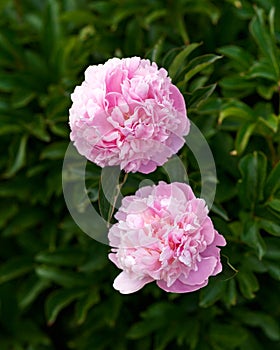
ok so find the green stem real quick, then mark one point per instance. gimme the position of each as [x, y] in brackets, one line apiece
[116, 196]
[272, 150]
[279, 98]
[183, 30]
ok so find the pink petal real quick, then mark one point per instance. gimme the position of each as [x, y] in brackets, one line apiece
[178, 100]
[208, 231]
[205, 269]
[186, 190]
[126, 283]
[212, 249]
[151, 125]
[218, 268]
[148, 168]
[179, 287]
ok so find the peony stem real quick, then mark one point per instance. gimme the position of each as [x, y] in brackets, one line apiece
[116, 196]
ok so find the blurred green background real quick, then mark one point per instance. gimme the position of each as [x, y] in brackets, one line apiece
[55, 282]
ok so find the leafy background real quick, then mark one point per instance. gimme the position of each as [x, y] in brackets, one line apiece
[55, 282]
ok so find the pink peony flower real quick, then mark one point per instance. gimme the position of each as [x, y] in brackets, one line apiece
[164, 234]
[128, 113]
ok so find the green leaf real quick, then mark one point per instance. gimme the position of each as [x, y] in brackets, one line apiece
[77, 17]
[20, 158]
[178, 62]
[15, 268]
[153, 16]
[204, 7]
[32, 334]
[162, 338]
[10, 47]
[248, 283]
[252, 237]
[9, 312]
[30, 290]
[112, 310]
[134, 37]
[21, 97]
[123, 13]
[269, 226]
[7, 82]
[143, 328]
[264, 40]
[272, 183]
[266, 91]
[274, 204]
[25, 220]
[56, 150]
[59, 129]
[192, 336]
[253, 263]
[50, 30]
[96, 262]
[3, 4]
[154, 318]
[230, 295]
[238, 111]
[219, 210]
[155, 53]
[198, 64]
[271, 121]
[7, 212]
[237, 86]
[200, 95]
[182, 28]
[273, 269]
[62, 277]
[227, 336]
[58, 300]
[273, 248]
[36, 65]
[242, 57]
[38, 128]
[62, 257]
[211, 293]
[253, 173]
[243, 135]
[10, 129]
[212, 105]
[262, 320]
[84, 304]
[262, 69]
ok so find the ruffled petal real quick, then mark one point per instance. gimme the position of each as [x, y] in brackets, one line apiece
[127, 283]
[179, 287]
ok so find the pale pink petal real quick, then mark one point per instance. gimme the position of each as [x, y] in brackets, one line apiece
[165, 235]
[205, 269]
[136, 102]
[126, 283]
[218, 268]
[208, 231]
[179, 287]
[178, 100]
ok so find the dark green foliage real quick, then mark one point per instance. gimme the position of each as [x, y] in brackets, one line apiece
[55, 282]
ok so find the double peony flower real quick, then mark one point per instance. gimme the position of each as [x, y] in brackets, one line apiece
[165, 235]
[128, 113]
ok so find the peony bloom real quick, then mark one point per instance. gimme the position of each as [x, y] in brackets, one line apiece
[164, 234]
[128, 113]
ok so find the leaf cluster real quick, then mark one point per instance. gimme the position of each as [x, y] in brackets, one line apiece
[56, 282]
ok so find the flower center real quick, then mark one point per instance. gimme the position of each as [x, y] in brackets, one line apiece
[126, 115]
